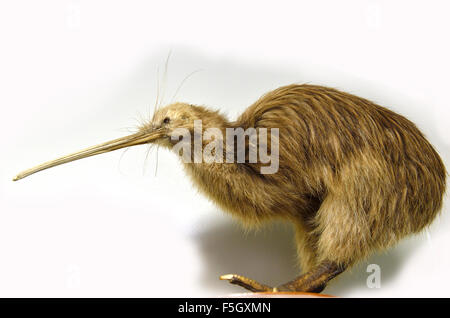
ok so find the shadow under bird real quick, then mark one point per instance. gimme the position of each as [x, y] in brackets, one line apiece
[353, 177]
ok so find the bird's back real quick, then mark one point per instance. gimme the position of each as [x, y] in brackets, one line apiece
[331, 142]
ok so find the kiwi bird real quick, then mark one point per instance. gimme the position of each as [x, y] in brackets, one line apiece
[353, 177]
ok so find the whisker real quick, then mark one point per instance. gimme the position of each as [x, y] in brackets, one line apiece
[129, 129]
[157, 93]
[120, 160]
[166, 65]
[149, 148]
[182, 82]
[156, 165]
[140, 118]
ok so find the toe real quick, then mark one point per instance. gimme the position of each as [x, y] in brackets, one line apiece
[247, 283]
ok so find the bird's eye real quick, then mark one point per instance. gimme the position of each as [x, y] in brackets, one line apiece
[166, 120]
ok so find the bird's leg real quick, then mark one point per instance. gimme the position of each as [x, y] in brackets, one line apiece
[313, 281]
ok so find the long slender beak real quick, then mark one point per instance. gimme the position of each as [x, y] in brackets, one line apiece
[127, 141]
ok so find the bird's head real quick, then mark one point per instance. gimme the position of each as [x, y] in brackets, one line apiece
[171, 121]
[166, 122]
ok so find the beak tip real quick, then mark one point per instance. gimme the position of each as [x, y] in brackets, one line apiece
[127, 141]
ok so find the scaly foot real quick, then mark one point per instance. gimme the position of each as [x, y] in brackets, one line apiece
[247, 283]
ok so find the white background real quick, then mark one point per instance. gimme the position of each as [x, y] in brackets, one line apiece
[77, 73]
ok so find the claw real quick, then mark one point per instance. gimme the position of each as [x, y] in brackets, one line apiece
[227, 277]
[247, 283]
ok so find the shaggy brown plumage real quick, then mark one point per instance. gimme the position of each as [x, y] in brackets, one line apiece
[354, 177]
